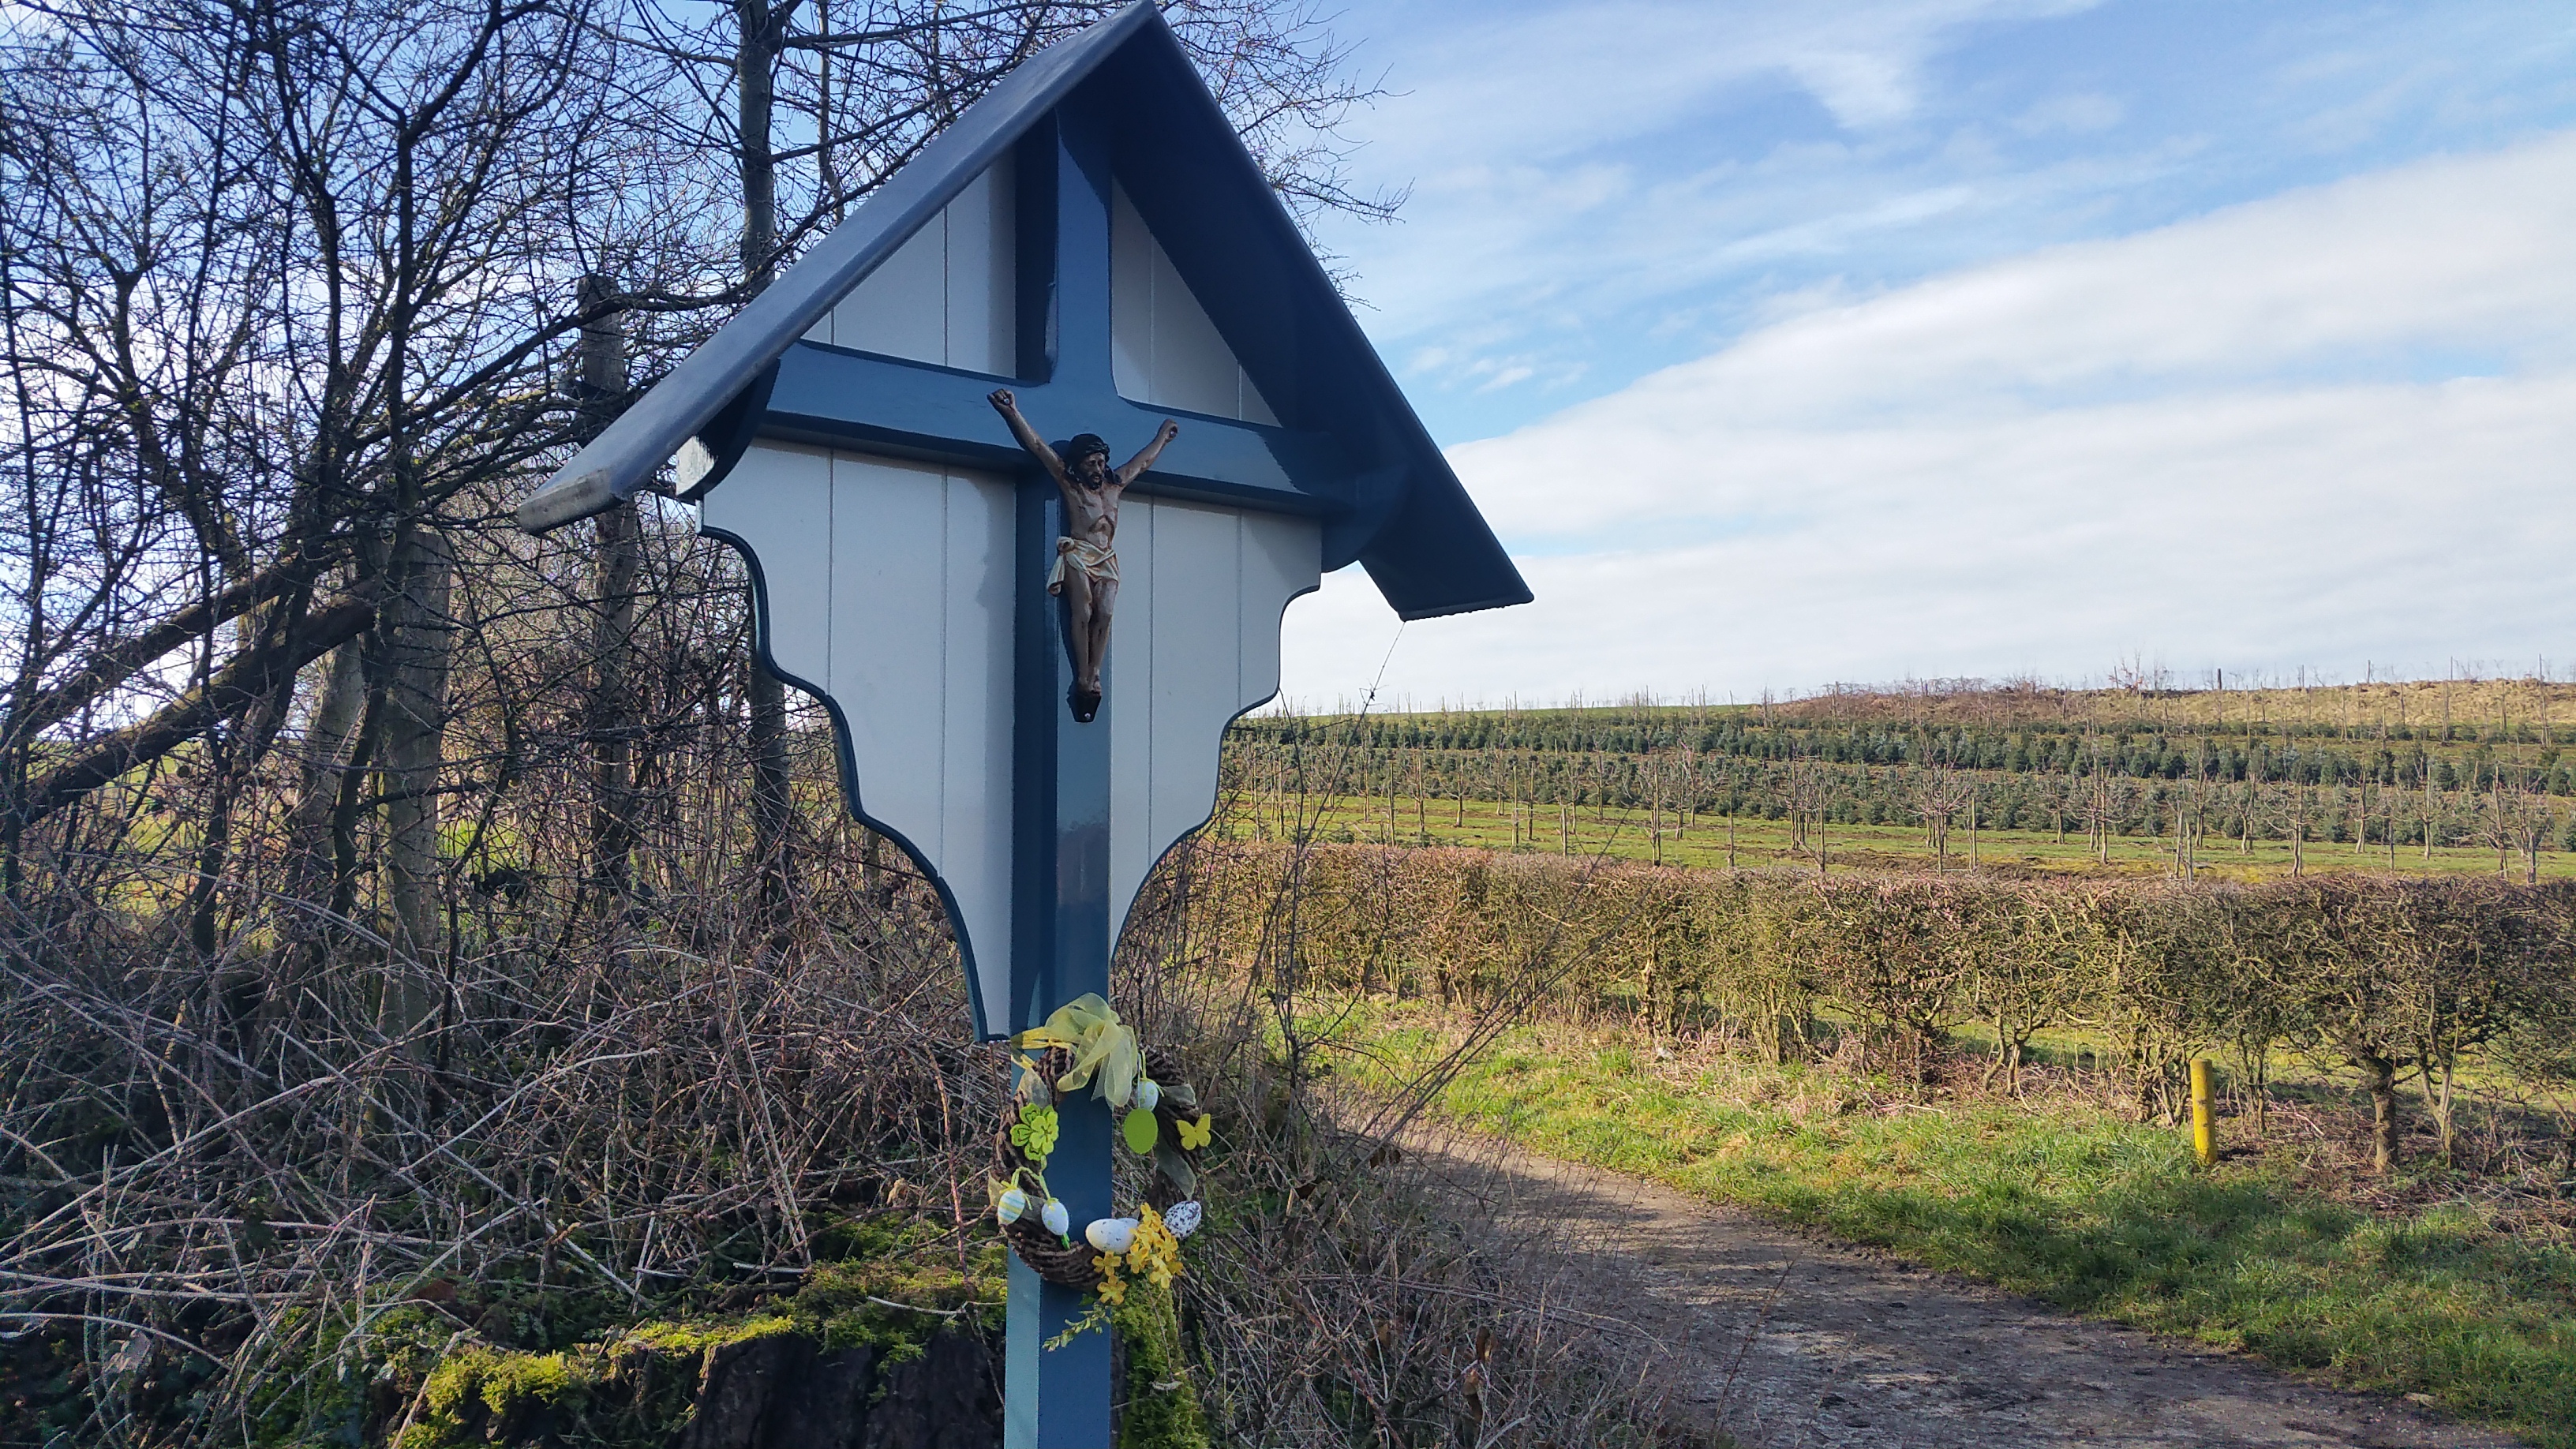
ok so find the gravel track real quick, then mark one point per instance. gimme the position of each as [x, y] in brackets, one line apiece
[1785, 1342]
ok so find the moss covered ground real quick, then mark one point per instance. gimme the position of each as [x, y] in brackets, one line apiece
[555, 1369]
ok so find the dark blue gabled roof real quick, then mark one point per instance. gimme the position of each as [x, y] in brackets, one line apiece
[1392, 504]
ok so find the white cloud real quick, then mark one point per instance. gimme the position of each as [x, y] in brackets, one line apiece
[1567, 77]
[2457, 258]
[2336, 425]
[1534, 145]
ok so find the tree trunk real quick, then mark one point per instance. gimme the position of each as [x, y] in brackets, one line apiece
[326, 745]
[323, 774]
[755, 59]
[2379, 1078]
[417, 638]
[614, 721]
[2440, 1096]
[252, 676]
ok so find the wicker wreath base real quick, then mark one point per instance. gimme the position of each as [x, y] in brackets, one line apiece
[1072, 1265]
[1049, 1258]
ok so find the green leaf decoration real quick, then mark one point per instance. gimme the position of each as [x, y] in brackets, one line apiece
[1169, 1161]
[1140, 1130]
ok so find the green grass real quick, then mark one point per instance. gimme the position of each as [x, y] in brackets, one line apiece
[2062, 1201]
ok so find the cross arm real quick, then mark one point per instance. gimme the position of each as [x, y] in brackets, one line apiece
[835, 397]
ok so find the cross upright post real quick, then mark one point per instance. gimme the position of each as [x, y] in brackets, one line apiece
[1059, 1398]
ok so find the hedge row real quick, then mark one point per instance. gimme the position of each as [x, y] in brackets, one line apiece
[2388, 977]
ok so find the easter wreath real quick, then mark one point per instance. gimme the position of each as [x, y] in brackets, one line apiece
[1084, 1044]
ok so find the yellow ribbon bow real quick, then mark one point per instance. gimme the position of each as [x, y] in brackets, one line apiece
[1105, 1054]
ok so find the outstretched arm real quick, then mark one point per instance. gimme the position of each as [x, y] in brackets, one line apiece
[1009, 408]
[1145, 456]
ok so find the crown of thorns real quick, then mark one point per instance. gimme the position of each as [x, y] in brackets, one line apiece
[1086, 444]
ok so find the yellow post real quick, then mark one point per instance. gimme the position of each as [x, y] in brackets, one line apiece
[2204, 1129]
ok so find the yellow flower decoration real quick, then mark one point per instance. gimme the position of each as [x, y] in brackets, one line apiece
[1113, 1289]
[1155, 1254]
[1194, 1135]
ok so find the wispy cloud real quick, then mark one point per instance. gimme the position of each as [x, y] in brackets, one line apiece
[1602, 190]
[2334, 425]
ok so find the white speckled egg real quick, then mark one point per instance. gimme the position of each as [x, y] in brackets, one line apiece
[1111, 1235]
[1183, 1218]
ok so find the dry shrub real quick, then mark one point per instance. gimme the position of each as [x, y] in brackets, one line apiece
[575, 1137]
[640, 1117]
[1343, 1305]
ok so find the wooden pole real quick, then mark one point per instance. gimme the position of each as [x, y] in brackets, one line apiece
[2204, 1125]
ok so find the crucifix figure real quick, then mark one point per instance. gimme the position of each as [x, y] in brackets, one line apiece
[1085, 572]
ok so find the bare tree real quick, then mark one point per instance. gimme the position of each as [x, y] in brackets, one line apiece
[1806, 793]
[2296, 808]
[2517, 821]
[283, 307]
[1939, 795]
[2102, 804]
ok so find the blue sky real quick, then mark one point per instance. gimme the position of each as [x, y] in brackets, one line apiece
[1788, 344]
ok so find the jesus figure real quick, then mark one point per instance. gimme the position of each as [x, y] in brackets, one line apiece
[1085, 572]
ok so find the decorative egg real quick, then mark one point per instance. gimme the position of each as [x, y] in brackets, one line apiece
[1010, 1205]
[1140, 1129]
[1058, 1221]
[1111, 1235]
[1183, 1218]
[1149, 1093]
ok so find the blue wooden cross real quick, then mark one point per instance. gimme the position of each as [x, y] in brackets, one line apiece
[898, 538]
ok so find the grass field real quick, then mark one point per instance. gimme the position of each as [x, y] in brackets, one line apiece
[1753, 842]
[2423, 1286]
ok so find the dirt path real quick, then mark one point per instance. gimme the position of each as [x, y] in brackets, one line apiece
[1788, 1343]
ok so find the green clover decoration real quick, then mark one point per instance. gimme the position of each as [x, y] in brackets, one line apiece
[1034, 1133]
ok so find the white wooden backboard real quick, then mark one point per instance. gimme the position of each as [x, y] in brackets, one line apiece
[1163, 349]
[949, 295]
[886, 590]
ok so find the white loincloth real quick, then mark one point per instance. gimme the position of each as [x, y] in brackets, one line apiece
[1098, 564]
